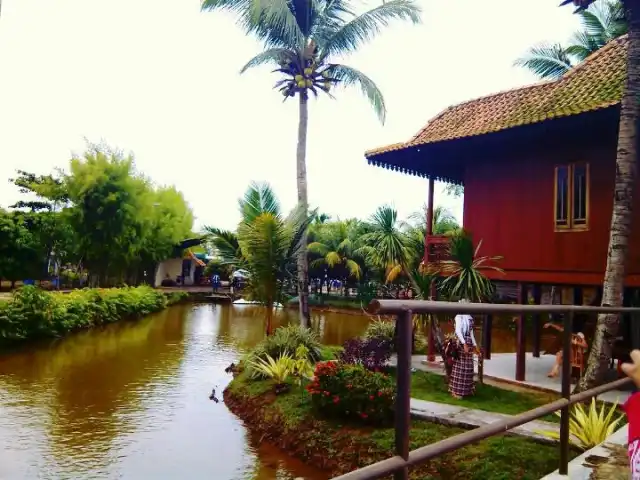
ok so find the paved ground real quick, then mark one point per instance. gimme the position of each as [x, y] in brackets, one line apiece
[502, 367]
[500, 371]
[606, 461]
[456, 416]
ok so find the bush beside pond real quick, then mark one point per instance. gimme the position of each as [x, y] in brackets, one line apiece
[339, 420]
[33, 313]
[291, 422]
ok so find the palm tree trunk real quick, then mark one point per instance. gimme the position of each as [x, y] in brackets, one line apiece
[303, 202]
[269, 328]
[625, 180]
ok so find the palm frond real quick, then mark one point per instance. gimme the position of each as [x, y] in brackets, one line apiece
[582, 45]
[258, 199]
[353, 268]
[604, 20]
[546, 61]
[272, 22]
[364, 27]
[269, 56]
[319, 248]
[348, 76]
[225, 243]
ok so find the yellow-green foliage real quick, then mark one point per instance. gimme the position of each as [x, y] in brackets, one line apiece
[590, 427]
[276, 369]
[34, 313]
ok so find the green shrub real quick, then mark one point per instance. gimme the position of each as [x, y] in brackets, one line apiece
[34, 313]
[385, 329]
[381, 329]
[176, 297]
[351, 391]
[286, 340]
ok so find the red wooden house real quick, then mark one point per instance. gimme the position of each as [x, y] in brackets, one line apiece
[537, 164]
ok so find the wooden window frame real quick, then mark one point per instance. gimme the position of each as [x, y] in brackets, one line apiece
[571, 225]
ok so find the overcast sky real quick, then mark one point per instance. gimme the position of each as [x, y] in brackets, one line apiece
[160, 78]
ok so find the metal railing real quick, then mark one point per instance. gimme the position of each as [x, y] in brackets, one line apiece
[404, 310]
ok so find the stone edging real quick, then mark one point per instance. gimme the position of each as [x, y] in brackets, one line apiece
[581, 469]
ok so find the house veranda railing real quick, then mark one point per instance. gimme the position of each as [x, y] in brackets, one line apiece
[404, 311]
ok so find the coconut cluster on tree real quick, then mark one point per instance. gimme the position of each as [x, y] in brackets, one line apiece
[303, 74]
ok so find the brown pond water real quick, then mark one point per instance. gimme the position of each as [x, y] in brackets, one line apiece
[130, 401]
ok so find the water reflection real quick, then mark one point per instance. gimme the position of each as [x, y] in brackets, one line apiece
[131, 400]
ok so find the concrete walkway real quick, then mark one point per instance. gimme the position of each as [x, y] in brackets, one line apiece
[458, 416]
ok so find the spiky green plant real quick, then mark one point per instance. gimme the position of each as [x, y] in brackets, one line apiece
[465, 271]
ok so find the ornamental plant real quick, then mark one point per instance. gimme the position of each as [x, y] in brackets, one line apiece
[371, 353]
[346, 391]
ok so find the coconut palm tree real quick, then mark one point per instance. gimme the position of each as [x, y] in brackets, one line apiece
[387, 246]
[336, 245]
[626, 177]
[266, 245]
[603, 22]
[302, 39]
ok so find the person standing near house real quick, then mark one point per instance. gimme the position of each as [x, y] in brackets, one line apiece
[461, 382]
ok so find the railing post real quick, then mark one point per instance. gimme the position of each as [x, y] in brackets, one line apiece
[566, 393]
[403, 391]
[487, 325]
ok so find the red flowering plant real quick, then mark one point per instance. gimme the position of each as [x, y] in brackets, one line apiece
[342, 390]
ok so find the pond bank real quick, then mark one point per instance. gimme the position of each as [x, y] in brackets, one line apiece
[31, 313]
[289, 422]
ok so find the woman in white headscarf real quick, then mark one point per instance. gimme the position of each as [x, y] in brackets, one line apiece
[461, 380]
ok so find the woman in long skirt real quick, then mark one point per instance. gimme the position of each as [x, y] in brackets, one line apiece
[461, 381]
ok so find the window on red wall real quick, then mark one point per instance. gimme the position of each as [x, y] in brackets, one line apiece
[571, 192]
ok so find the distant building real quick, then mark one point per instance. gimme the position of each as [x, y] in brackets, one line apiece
[184, 267]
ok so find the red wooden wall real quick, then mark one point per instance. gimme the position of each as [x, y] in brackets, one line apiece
[508, 204]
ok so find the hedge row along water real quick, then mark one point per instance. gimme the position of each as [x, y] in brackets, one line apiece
[33, 313]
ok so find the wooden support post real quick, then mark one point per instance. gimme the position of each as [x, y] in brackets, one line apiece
[487, 325]
[429, 230]
[403, 391]
[431, 340]
[578, 296]
[521, 344]
[537, 321]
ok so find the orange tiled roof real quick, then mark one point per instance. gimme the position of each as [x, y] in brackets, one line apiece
[594, 84]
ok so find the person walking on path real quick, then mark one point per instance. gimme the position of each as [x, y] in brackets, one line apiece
[461, 382]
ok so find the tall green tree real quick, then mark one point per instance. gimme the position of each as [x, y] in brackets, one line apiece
[626, 179]
[124, 223]
[302, 39]
[602, 22]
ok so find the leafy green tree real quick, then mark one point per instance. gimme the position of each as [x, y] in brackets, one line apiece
[603, 22]
[123, 223]
[302, 39]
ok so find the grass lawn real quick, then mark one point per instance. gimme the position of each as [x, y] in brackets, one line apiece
[290, 422]
[431, 387]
